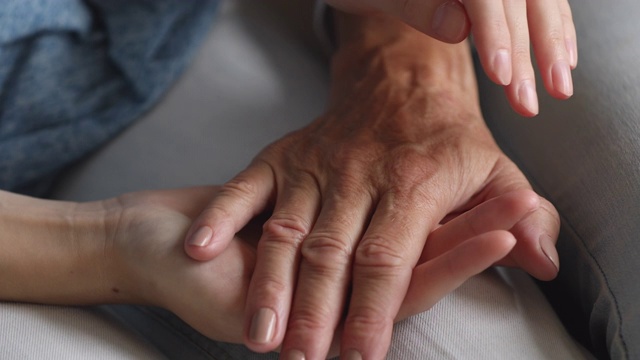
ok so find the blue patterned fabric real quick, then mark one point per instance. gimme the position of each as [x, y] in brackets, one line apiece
[74, 73]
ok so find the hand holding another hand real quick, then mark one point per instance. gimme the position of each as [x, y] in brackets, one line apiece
[354, 195]
[210, 296]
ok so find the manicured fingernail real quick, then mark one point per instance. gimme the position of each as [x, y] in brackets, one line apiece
[263, 326]
[549, 249]
[528, 97]
[202, 237]
[502, 67]
[450, 21]
[295, 355]
[561, 77]
[352, 355]
[572, 50]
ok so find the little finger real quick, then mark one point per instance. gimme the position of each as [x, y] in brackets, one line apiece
[522, 91]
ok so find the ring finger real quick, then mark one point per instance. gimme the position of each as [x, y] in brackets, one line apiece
[522, 90]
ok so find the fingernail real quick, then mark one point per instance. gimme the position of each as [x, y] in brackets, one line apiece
[450, 21]
[202, 237]
[528, 97]
[572, 50]
[263, 326]
[352, 355]
[295, 355]
[502, 67]
[549, 249]
[561, 77]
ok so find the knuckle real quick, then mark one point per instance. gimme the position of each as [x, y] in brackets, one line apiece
[368, 320]
[411, 167]
[327, 249]
[288, 228]
[522, 52]
[270, 286]
[309, 320]
[219, 212]
[377, 252]
[239, 187]
[555, 38]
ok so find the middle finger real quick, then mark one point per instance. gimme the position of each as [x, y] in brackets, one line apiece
[324, 276]
[491, 36]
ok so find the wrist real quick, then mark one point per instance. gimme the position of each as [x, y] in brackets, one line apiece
[54, 252]
[400, 55]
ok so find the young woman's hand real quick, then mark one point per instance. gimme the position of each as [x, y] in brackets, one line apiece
[210, 296]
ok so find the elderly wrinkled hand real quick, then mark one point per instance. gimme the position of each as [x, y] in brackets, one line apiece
[210, 295]
[401, 150]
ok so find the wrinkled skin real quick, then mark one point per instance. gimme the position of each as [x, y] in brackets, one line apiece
[145, 231]
[401, 149]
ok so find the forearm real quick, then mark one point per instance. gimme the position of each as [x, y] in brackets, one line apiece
[54, 252]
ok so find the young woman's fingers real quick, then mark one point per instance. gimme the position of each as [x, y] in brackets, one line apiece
[491, 36]
[522, 90]
[499, 213]
[436, 278]
[549, 44]
[274, 278]
[231, 208]
[569, 32]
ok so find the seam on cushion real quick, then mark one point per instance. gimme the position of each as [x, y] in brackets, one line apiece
[577, 235]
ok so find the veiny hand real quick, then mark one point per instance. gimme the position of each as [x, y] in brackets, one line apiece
[210, 295]
[402, 148]
[502, 30]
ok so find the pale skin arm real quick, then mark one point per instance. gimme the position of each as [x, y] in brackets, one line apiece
[128, 250]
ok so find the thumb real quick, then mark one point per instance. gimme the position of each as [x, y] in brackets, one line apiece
[445, 20]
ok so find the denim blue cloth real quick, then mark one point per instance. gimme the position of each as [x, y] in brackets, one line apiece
[74, 73]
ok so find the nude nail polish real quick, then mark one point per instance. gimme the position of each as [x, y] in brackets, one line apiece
[352, 355]
[502, 67]
[263, 326]
[295, 355]
[201, 237]
[527, 96]
[561, 78]
[572, 51]
[549, 249]
[449, 21]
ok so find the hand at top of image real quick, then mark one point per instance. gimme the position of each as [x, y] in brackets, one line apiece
[503, 32]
